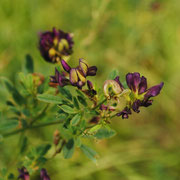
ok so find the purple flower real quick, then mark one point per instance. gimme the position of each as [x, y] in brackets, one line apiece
[24, 175]
[55, 44]
[77, 76]
[124, 113]
[142, 95]
[58, 79]
[44, 175]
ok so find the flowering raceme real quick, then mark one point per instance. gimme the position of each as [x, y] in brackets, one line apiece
[137, 95]
[82, 111]
[55, 45]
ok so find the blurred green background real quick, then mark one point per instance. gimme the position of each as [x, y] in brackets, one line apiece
[130, 35]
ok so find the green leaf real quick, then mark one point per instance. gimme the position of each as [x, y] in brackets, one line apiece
[113, 74]
[104, 133]
[43, 149]
[50, 98]
[29, 64]
[95, 128]
[65, 92]
[75, 102]
[82, 100]
[9, 124]
[12, 90]
[75, 120]
[78, 141]
[68, 109]
[90, 153]
[68, 149]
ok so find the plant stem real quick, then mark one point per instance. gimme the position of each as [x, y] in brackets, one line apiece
[31, 127]
[99, 104]
[39, 115]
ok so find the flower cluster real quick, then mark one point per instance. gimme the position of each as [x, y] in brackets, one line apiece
[55, 45]
[136, 96]
[24, 174]
[74, 76]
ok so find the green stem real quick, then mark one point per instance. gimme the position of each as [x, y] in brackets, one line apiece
[39, 115]
[103, 101]
[31, 127]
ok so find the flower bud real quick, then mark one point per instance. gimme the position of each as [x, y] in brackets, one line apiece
[111, 87]
[56, 137]
[24, 175]
[44, 175]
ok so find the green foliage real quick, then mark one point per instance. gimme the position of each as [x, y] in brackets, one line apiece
[29, 64]
[75, 120]
[113, 74]
[68, 149]
[68, 109]
[48, 98]
[104, 133]
[90, 153]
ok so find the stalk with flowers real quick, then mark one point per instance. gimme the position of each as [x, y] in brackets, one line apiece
[68, 100]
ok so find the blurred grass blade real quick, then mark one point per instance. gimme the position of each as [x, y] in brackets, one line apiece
[29, 64]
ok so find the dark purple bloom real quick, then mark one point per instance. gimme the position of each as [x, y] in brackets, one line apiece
[66, 67]
[103, 107]
[92, 71]
[58, 79]
[136, 106]
[24, 175]
[44, 175]
[153, 91]
[55, 44]
[95, 120]
[124, 113]
[138, 85]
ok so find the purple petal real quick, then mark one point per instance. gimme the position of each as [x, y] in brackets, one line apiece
[90, 85]
[24, 175]
[92, 71]
[129, 80]
[44, 175]
[142, 85]
[103, 107]
[153, 91]
[133, 80]
[66, 67]
[124, 113]
[147, 103]
[118, 81]
[136, 80]
[56, 74]
[136, 106]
